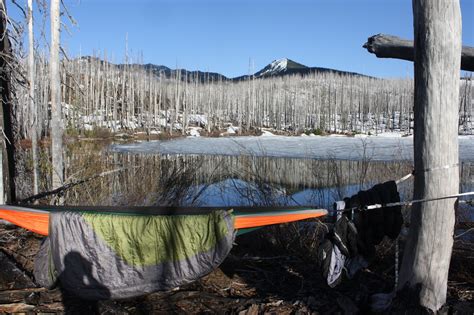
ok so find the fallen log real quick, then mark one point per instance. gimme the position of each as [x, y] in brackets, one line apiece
[16, 308]
[389, 46]
[25, 308]
[11, 277]
[27, 295]
[69, 186]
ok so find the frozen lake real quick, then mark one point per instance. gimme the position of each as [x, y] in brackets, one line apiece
[246, 171]
[339, 147]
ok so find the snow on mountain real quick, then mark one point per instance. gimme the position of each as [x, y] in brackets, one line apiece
[276, 66]
[280, 66]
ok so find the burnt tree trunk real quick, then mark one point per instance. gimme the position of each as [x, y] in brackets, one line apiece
[33, 119]
[6, 119]
[437, 27]
[388, 46]
[57, 127]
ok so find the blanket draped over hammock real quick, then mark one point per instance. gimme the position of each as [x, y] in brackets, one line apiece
[119, 252]
[102, 256]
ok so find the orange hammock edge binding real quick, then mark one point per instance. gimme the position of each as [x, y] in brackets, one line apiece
[39, 222]
[245, 222]
[35, 222]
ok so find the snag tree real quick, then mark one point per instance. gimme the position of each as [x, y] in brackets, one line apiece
[437, 29]
[57, 128]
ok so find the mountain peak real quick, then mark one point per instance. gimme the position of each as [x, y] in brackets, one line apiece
[280, 66]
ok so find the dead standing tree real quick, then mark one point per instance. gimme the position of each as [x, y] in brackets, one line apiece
[57, 128]
[6, 132]
[437, 56]
[437, 26]
[31, 98]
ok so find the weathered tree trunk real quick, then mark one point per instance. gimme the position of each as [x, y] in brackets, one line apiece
[388, 46]
[427, 255]
[33, 109]
[57, 128]
[6, 114]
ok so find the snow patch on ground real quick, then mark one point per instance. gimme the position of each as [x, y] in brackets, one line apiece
[197, 119]
[194, 132]
[232, 130]
[266, 133]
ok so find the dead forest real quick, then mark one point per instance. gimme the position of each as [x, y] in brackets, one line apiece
[97, 93]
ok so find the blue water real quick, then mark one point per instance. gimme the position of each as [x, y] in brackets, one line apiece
[236, 192]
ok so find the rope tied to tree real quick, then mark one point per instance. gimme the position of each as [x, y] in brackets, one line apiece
[430, 169]
[404, 203]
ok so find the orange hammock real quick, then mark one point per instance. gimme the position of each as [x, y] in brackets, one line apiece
[34, 221]
[37, 220]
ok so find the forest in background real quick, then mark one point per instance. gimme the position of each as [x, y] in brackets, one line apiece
[98, 94]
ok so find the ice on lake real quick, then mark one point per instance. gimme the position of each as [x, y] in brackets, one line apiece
[347, 148]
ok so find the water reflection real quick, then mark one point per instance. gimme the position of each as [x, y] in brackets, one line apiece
[215, 180]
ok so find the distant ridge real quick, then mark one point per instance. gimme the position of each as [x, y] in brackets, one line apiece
[190, 75]
[277, 68]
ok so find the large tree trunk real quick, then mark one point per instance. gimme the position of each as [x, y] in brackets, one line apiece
[57, 128]
[388, 46]
[33, 109]
[6, 114]
[427, 255]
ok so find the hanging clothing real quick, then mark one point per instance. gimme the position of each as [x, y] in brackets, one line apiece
[374, 224]
[353, 238]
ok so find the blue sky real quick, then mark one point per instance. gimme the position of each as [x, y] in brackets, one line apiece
[222, 35]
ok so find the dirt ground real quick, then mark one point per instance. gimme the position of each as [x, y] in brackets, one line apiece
[256, 278]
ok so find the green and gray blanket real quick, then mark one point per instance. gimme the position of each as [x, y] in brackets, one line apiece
[102, 255]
